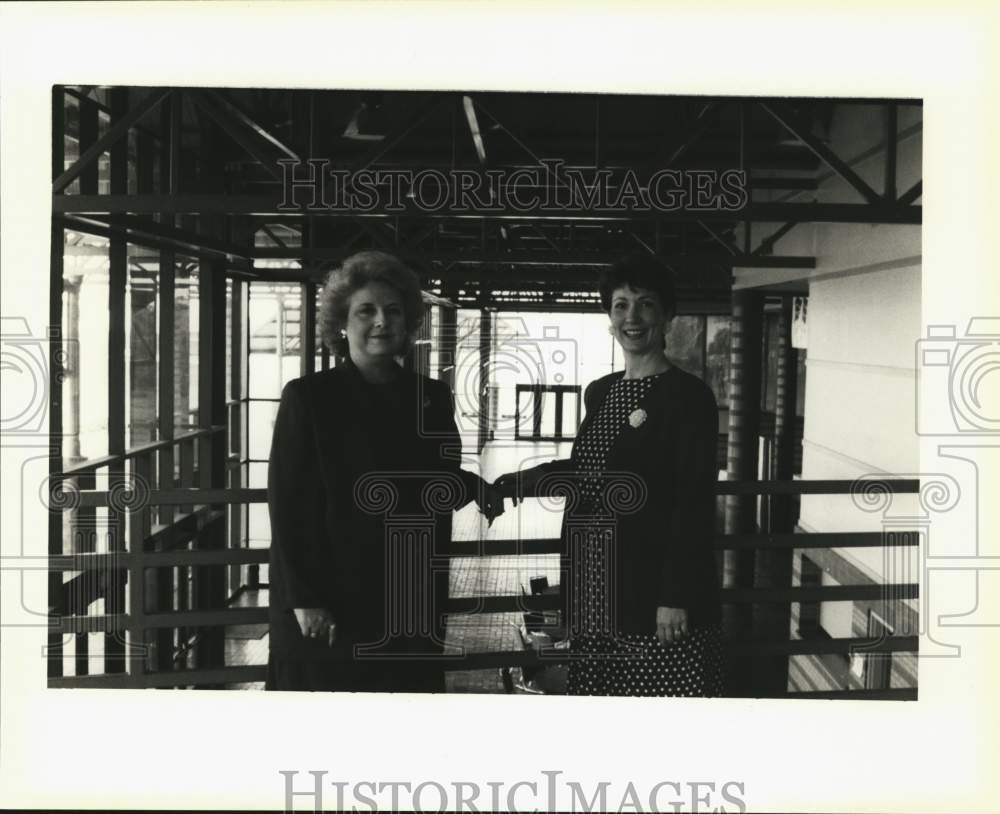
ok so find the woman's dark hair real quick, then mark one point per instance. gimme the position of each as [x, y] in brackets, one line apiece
[640, 271]
[355, 273]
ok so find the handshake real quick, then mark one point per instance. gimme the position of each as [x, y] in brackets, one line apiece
[490, 497]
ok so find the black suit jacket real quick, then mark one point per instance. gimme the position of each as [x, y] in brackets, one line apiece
[348, 471]
[660, 476]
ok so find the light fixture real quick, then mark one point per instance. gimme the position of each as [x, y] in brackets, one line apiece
[366, 123]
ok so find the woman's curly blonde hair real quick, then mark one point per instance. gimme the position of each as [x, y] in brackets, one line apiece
[355, 273]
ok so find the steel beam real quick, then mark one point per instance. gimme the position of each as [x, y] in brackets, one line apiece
[274, 238]
[703, 123]
[116, 131]
[598, 259]
[767, 244]
[140, 230]
[59, 357]
[912, 194]
[235, 130]
[242, 118]
[395, 138]
[718, 239]
[267, 206]
[800, 129]
[891, 144]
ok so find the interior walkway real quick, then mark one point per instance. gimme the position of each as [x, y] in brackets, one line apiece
[470, 576]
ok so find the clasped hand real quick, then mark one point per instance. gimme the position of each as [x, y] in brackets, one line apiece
[317, 623]
[671, 625]
[492, 495]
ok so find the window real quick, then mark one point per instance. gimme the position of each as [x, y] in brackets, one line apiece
[717, 334]
[686, 344]
[877, 667]
[142, 315]
[85, 324]
[186, 275]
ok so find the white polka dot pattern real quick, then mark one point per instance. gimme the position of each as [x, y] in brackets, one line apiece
[638, 665]
[590, 452]
[635, 664]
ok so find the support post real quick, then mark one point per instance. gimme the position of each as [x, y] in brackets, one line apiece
[744, 431]
[211, 580]
[115, 643]
[485, 348]
[447, 343]
[56, 603]
[773, 568]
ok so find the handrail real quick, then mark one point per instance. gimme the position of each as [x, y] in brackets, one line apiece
[152, 559]
[815, 487]
[203, 499]
[523, 658]
[179, 497]
[90, 561]
[480, 604]
[822, 539]
[721, 542]
[122, 621]
[235, 674]
[93, 464]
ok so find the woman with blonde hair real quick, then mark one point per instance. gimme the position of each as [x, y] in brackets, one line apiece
[364, 473]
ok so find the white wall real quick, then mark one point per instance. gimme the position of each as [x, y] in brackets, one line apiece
[863, 321]
[860, 386]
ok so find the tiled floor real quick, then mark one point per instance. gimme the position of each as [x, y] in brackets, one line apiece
[470, 576]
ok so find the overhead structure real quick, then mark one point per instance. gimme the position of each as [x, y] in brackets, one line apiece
[504, 201]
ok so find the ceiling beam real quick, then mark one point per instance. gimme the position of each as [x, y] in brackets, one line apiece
[544, 258]
[800, 128]
[146, 232]
[912, 194]
[767, 244]
[250, 124]
[117, 130]
[400, 133]
[247, 137]
[267, 206]
[703, 124]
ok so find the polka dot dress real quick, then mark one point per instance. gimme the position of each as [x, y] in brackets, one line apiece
[633, 664]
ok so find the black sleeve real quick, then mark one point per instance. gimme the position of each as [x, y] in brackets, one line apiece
[450, 440]
[692, 522]
[294, 498]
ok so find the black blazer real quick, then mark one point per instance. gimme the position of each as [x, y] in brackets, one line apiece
[664, 490]
[340, 455]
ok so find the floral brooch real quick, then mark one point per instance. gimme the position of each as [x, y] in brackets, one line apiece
[637, 417]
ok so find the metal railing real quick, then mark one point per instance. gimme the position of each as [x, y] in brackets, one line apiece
[207, 505]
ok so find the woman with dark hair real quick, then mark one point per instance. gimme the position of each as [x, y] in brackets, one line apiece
[639, 581]
[364, 473]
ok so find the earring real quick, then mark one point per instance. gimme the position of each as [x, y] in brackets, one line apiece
[611, 330]
[343, 334]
